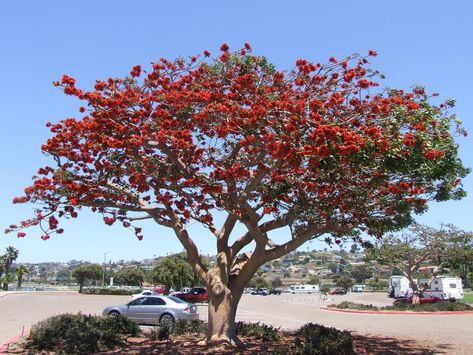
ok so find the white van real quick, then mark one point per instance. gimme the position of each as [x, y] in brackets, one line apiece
[444, 287]
[399, 287]
[304, 288]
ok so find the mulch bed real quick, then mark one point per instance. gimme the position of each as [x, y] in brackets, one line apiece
[189, 344]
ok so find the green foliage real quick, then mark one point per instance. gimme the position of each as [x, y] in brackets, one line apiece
[257, 331]
[444, 306]
[344, 281]
[160, 332]
[459, 253]
[352, 305]
[360, 273]
[316, 339]
[324, 289]
[195, 326]
[258, 282]
[313, 280]
[378, 284]
[276, 282]
[174, 272]
[88, 272]
[6, 262]
[130, 276]
[110, 291]
[79, 333]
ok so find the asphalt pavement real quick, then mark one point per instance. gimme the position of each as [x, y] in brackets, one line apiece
[451, 334]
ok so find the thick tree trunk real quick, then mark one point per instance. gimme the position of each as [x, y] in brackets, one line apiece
[221, 321]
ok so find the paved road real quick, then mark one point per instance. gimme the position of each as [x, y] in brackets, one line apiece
[451, 334]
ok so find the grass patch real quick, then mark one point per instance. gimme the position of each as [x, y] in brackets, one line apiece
[468, 298]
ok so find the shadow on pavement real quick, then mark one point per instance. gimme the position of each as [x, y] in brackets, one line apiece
[383, 345]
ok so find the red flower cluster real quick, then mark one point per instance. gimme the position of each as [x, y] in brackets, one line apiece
[185, 138]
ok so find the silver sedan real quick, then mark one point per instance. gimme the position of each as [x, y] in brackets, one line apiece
[163, 310]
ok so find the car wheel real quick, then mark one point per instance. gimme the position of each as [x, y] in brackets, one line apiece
[114, 313]
[167, 320]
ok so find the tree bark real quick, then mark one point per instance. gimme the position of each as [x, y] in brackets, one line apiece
[221, 316]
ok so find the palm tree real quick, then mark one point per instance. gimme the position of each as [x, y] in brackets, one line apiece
[2, 264]
[7, 279]
[10, 256]
[20, 271]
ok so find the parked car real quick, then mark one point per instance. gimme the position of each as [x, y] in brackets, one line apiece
[275, 291]
[337, 291]
[160, 309]
[260, 292]
[144, 293]
[358, 288]
[196, 295]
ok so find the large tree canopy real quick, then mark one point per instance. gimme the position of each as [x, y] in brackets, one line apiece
[319, 149]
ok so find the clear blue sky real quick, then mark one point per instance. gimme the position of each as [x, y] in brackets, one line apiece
[428, 42]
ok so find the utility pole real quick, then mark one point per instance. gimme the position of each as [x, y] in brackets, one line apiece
[103, 267]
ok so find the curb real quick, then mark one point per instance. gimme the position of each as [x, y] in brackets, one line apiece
[6, 344]
[396, 312]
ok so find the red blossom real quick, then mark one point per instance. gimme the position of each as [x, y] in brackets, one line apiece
[109, 220]
[189, 137]
[136, 71]
[430, 154]
[21, 234]
[224, 47]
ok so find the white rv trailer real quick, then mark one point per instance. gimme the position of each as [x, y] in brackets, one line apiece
[399, 287]
[304, 288]
[444, 287]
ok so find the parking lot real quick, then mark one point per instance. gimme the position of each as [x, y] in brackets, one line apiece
[450, 334]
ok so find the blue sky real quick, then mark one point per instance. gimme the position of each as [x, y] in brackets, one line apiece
[427, 42]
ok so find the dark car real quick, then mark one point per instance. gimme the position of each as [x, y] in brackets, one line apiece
[275, 291]
[337, 291]
[195, 295]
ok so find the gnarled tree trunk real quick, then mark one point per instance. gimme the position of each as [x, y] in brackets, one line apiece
[221, 321]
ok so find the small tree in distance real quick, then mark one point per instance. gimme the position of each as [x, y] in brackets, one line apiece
[317, 151]
[313, 280]
[173, 272]
[344, 282]
[276, 282]
[20, 271]
[88, 272]
[411, 250]
[130, 276]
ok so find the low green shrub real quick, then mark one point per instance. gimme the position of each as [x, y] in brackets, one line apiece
[159, 332]
[316, 339]
[110, 291]
[258, 331]
[196, 326]
[352, 305]
[79, 333]
[444, 306]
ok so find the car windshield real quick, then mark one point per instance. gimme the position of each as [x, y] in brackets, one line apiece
[175, 299]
